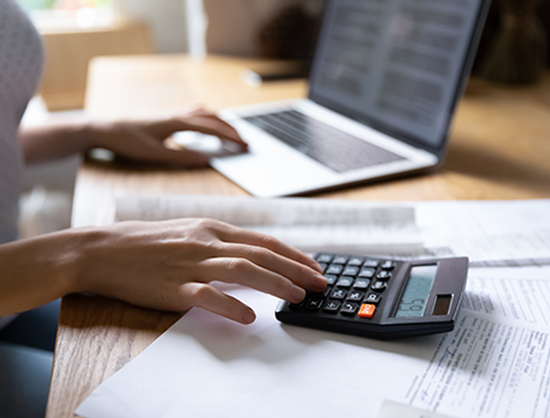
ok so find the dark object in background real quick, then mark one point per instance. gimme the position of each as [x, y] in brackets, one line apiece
[514, 45]
[519, 52]
[290, 34]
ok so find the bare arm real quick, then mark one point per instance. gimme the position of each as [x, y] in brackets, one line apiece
[163, 265]
[142, 139]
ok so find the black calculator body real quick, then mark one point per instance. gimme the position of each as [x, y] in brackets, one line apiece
[382, 298]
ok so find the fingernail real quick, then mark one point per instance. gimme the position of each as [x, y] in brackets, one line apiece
[315, 265]
[319, 282]
[249, 316]
[298, 293]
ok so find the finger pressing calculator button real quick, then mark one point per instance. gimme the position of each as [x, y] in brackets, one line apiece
[373, 298]
[379, 286]
[367, 272]
[335, 269]
[338, 294]
[351, 271]
[314, 304]
[361, 283]
[332, 306]
[340, 259]
[371, 262]
[331, 279]
[349, 308]
[323, 266]
[367, 310]
[383, 275]
[344, 281]
[356, 296]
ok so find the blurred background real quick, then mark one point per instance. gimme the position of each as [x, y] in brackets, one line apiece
[513, 50]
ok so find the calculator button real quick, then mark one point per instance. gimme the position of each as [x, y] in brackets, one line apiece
[367, 272]
[356, 261]
[314, 304]
[373, 298]
[340, 259]
[344, 281]
[356, 296]
[361, 284]
[331, 279]
[379, 286]
[371, 262]
[322, 294]
[296, 306]
[323, 266]
[388, 265]
[367, 310]
[383, 275]
[332, 306]
[349, 308]
[324, 258]
[351, 271]
[335, 269]
[338, 294]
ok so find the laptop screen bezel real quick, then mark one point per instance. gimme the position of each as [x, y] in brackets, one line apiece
[406, 137]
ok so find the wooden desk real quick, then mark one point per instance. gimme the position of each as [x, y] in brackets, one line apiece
[499, 149]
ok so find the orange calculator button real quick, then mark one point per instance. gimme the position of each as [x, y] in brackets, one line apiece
[367, 310]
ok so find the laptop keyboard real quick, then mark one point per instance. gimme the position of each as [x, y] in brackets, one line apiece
[327, 145]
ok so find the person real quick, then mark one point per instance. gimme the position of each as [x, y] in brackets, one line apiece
[166, 265]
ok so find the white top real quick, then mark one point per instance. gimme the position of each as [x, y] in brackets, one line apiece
[21, 58]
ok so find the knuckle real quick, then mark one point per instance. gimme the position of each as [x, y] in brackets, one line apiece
[200, 294]
[281, 286]
[239, 266]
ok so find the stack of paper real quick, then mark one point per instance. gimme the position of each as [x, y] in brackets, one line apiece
[308, 224]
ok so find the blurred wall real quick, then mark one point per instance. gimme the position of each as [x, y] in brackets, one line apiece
[166, 19]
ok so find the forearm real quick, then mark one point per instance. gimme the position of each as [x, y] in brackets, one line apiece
[54, 141]
[36, 271]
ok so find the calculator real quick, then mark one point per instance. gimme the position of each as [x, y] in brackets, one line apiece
[381, 297]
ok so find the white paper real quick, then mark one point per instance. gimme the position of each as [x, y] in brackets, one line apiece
[521, 294]
[392, 409]
[492, 364]
[309, 224]
[490, 233]
[207, 366]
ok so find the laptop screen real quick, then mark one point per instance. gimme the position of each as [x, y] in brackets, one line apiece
[396, 65]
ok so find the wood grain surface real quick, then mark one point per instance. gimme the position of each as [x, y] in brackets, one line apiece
[499, 149]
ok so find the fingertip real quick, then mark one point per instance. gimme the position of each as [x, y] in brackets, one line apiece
[248, 316]
[297, 293]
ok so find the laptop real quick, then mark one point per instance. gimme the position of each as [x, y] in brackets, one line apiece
[385, 79]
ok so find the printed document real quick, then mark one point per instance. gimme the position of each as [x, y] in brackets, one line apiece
[309, 224]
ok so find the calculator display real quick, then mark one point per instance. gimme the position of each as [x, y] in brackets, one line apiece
[413, 301]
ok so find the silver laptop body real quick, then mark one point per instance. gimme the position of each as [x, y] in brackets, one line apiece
[384, 82]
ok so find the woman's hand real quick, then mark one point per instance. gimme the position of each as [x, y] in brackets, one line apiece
[141, 139]
[167, 265]
[144, 139]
